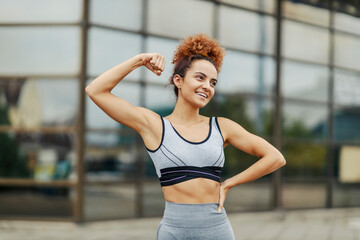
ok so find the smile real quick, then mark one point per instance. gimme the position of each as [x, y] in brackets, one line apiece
[202, 94]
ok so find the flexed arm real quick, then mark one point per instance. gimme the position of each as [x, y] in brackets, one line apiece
[99, 90]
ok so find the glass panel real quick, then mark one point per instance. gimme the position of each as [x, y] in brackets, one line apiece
[179, 22]
[36, 201]
[97, 118]
[346, 172]
[160, 99]
[39, 50]
[306, 13]
[35, 102]
[345, 51]
[166, 48]
[346, 124]
[109, 202]
[108, 48]
[301, 120]
[305, 81]
[346, 23]
[123, 13]
[18, 11]
[246, 73]
[346, 88]
[154, 202]
[253, 196]
[262, 5]
[304, 175]
[110, 157]
[42, 157]
[259, 34]
[305, 42]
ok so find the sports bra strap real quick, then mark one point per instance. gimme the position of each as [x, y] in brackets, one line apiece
[173, 175]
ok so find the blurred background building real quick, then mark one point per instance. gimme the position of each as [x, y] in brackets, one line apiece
[291, 75]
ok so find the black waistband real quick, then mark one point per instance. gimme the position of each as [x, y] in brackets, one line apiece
[173, 175]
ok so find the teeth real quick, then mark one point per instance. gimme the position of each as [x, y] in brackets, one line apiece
[201, 94]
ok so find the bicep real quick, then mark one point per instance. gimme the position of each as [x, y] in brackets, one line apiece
[240, 138]
[122, 111]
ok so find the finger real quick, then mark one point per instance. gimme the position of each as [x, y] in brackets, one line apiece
[220, 206]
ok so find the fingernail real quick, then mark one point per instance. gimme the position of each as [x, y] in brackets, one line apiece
[219, 209]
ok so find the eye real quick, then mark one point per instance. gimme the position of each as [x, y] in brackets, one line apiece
[200, 77]
[213, 83]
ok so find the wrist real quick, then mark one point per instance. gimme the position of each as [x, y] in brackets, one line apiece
[227, 184]
[138, 61]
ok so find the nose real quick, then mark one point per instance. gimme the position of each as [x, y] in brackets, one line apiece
[206, 85]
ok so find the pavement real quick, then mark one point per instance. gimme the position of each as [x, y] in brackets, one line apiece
[314, 224]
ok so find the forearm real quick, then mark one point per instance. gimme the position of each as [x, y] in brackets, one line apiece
[109, 79]
[260, 168]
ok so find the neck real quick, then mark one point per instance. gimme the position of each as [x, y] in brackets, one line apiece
[185, 112]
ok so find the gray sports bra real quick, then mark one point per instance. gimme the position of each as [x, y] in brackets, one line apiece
[177, 159]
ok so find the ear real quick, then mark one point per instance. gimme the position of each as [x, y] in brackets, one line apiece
[178, 81]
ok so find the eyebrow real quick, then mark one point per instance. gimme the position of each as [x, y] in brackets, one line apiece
[205, 75]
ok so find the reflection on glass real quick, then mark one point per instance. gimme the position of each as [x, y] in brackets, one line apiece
[305, 161]
[262, 5]
[40, 11]
[42, 157]
[39, 50]
[246, 73]
[36, 201]
[35, 102]
[166, 48]
[97, 118]
[306, 13]
[346, 23]
[346, 88]
[346, 124]
[110, 157]
[180, 23]
[160, 99]
[154, 202]
[346, 173]
[304, 121]
[305, 42]
[125, 14]
[304, 175]
[109, 202]
[305, 81]
[259, 34]
[345, 51]
[108, 48]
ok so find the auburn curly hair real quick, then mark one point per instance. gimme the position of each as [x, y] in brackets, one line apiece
[196, 47]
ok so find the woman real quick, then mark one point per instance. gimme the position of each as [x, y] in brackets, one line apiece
[187, 149]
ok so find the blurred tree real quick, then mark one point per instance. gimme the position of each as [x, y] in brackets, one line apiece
[12, 164]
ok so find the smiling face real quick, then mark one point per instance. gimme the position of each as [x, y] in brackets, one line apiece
[198, 85]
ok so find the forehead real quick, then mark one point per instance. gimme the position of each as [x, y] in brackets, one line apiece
[204, 66]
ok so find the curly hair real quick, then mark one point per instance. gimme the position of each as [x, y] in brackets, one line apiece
[200, 44]
[195, 47]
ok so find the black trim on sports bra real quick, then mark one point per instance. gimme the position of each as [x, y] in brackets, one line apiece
[174, 175]
[210, 127]
[218, 126]
[162, 137]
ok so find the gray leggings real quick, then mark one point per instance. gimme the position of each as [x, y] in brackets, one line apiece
[194, 221]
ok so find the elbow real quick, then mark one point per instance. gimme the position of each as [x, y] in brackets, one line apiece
[89, 91]
[281, 160]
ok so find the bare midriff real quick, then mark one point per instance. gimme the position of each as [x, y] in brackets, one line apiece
[198, 190]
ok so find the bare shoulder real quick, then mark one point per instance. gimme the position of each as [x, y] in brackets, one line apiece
[229, 127]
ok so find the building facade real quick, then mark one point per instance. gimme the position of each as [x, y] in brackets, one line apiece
[291, 75]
